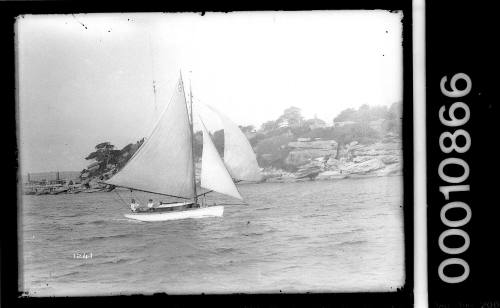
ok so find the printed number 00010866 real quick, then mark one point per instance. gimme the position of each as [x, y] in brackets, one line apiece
[454, 225]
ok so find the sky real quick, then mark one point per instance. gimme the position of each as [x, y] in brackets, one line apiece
[88, 78]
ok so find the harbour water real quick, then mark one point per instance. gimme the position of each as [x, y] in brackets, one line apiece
[317, 236]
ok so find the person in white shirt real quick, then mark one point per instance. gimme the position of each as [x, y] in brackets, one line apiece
[151, 205]
[134, 205]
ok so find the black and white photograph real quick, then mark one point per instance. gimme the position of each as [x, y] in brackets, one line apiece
[210, 153]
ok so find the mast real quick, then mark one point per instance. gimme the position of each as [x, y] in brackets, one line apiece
[163, 164]
[195, 198]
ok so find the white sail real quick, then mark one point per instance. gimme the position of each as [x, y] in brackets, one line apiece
[239, 156]
[164, 163]
[214, 175]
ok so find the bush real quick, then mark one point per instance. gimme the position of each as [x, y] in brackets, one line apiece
[366, 113]
[325, 133]
[273, 151]
[217, 138]
[360, 132]
[256, 139]
[393, 126]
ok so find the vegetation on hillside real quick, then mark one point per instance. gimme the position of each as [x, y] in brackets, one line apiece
[270, 142]
[107, 159]
[365, 125]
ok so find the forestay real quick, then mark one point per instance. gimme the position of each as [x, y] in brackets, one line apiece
[164, 163]
[214, 175]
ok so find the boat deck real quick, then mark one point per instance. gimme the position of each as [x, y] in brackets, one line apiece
[170, 207]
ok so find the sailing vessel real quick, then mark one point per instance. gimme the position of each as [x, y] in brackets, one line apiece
[165, 164]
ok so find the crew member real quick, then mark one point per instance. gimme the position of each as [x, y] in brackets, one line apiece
[151, 205]
[134, 205]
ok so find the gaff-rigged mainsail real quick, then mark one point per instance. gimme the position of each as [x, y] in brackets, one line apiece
[239, 156]
[164, 163]
[214, 175]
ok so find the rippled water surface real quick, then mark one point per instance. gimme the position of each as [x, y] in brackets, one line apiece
[319, 236]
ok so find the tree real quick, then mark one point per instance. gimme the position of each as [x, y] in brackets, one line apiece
[104, 146]
[247, 129]
[360, 132]
[299, 131]
[255, 140]
[268, 126]
[198, 144]
[315, 123]
[293, 116]
[363, 114]
[275, 149]
[109, 159]
[217, 138]
[345, 115]
[395, 111]
[320, 132]
[103, 154]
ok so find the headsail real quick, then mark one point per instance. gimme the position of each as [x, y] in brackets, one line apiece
[214, 175]
[239, 156]
[163, 164]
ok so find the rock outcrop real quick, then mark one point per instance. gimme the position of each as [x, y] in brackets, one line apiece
[304, 152]
[325, 160]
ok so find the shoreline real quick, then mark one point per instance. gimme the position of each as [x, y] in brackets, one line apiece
[273, 180]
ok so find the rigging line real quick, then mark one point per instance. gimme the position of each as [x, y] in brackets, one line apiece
[148, 191]
[121, 198]
[203, 194]
[159, 193]
[152, 73]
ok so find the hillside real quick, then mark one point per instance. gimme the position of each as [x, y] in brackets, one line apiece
[366, 141]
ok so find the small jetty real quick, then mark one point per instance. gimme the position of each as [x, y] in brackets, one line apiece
[55, 183]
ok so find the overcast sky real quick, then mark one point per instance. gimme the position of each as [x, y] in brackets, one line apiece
[87, 78]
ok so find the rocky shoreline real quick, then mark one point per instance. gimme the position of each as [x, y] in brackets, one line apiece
[326, 160]
[307, 160]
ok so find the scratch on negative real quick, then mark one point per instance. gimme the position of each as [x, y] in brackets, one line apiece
[81, 23]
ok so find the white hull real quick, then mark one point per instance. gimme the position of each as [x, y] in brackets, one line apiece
[211, 211]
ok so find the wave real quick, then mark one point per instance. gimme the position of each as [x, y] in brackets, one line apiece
[315, 215]
[117, 261]
[253, 234]
[74, 273]
[105, 237]
[361, 201]
[224, 250]
[349, 231]
[131, 220]
[111, 262]
[358, 242]
[300, 237]
[63, 227]
[86, 264]
[290, 267]
[263, 209]
[72, 215]
[258, 229]
[98, 222]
